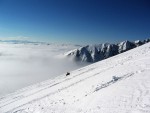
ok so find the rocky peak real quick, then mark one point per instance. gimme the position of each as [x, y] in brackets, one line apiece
[94, 53]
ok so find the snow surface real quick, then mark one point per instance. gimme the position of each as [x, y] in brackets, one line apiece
[120, 84]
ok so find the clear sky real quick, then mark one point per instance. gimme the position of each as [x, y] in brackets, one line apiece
[75, 21]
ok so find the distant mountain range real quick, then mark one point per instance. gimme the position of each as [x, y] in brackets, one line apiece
[94, 53]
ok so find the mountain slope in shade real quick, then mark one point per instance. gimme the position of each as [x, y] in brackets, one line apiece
[120, 84]
[94, 53]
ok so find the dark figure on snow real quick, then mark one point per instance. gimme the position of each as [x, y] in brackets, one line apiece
[67, 73]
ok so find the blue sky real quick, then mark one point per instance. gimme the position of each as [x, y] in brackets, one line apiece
[75, 21]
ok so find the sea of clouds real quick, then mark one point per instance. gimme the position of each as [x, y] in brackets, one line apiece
[22, 65]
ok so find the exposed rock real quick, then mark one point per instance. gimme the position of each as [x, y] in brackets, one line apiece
[126, 45]
[138, 43]
[94, 53]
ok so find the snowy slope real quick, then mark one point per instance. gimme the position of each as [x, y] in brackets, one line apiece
[92, 89]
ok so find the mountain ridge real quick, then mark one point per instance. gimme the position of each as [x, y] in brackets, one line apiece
[97, 52]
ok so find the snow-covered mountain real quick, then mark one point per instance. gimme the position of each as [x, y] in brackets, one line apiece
[120, 84]
[94, 53]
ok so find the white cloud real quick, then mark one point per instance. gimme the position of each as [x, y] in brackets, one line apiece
[24, 64]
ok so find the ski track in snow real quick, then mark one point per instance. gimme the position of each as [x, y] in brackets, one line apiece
[90, 89]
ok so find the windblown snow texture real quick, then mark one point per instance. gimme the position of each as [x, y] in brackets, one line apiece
[94, 53]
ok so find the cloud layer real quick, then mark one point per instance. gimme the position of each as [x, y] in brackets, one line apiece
[22, 65]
